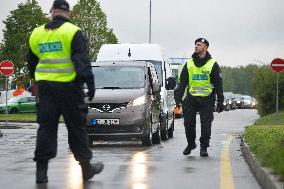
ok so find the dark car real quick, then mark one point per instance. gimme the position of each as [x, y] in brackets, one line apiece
[126, 103]
[19, 104]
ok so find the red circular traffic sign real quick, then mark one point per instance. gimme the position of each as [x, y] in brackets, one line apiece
[277, 65]
[7, 68]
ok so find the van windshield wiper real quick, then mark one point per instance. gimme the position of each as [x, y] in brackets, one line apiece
[111, 88]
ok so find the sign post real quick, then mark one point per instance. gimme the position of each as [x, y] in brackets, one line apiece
[277, 65]
[7, 69]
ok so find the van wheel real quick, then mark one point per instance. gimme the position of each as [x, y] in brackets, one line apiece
[171, 130]
[164, 132]
[157, 136]
[147, 139]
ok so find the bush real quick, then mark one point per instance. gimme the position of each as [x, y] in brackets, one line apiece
[264, 85]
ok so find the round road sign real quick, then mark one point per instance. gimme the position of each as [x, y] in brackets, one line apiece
[7, 68]
[277, 65]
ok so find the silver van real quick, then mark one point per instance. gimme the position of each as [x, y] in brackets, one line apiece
[126, 103]
[155, 54]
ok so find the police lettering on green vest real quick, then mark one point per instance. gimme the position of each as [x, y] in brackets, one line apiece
[53, 48]
[199, 78]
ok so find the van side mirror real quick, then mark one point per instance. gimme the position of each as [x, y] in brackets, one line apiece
[171, 83]
[156, 87]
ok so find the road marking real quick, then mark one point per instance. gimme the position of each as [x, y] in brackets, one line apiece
[226, 171]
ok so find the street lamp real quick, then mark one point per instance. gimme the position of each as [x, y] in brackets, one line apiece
[150, 23]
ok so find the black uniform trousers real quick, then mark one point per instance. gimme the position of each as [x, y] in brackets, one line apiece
[205, 109]
[67, 99]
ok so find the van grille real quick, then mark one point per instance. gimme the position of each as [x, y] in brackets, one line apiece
[107, 107]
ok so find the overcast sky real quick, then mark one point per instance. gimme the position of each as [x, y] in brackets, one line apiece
[239, 31]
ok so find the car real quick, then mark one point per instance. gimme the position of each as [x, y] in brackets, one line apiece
[155, 54]
[19, 104]
[246, 102]
[126, 104]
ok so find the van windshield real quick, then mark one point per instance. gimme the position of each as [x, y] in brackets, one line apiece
[119, 77]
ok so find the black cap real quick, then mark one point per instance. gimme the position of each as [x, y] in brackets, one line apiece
[202, 40]
[61, 4]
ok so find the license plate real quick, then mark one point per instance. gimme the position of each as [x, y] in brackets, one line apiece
[105, 121]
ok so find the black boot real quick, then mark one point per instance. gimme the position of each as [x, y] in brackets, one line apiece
[41, 172]
[203, 151]
[89, 170]
[188, 149]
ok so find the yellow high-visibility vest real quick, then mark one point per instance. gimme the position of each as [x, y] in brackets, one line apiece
[53, 48]
[199, 78]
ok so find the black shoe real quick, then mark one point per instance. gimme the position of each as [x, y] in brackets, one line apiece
[188, 149]
[203, 152]
[41, 172]
[89, 170]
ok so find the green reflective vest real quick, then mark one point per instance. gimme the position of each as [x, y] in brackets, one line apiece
[199, 78]
[53, 48]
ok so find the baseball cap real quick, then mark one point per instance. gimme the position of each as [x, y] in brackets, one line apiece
[60, 4]
[202, 40]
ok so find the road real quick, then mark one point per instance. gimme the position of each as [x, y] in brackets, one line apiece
[128, 165]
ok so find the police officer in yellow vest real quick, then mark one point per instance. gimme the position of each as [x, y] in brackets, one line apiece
[58, 61]
[201, 77]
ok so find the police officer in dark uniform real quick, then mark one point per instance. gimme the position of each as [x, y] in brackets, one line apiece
[58, 61]
[201, 80]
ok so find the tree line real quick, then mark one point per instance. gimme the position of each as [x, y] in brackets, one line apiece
[19, 24]
[257, 81]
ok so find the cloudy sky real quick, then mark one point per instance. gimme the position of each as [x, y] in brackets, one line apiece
[239, 31]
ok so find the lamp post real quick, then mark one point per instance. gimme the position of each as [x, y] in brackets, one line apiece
[150, 23]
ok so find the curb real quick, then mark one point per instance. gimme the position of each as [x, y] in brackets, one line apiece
[264, 176]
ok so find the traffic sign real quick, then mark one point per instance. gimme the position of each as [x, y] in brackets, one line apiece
[277, 65]
[7, 68]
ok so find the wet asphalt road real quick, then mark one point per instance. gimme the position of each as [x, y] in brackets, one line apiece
[128, 165]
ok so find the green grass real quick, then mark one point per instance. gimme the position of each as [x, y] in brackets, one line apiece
[272, 119]
[267, 143]
[21, 117]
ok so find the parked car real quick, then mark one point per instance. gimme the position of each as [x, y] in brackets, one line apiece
[19, 104]
[127, 102]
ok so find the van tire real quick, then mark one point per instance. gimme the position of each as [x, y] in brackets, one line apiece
[147, 139]
[164, 132]
[171, 130]
[157, 136]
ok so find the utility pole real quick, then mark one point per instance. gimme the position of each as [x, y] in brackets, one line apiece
[150, 23]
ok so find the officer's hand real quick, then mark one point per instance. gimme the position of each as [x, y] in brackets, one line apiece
[220, 107]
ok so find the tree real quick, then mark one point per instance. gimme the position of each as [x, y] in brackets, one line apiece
[19, 25]
[89, 16]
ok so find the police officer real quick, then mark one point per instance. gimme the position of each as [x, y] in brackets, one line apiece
[201, 77]
[58, 61]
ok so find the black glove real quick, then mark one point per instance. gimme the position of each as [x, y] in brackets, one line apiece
[91, 89]
[220, 107]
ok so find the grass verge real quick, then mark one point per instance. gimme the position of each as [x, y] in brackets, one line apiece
[19, 117]
[267, 143]
[22, 117]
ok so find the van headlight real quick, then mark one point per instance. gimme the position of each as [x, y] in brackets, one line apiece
[138, 101]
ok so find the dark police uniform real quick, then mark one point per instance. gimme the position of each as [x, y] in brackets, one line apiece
[199, 98]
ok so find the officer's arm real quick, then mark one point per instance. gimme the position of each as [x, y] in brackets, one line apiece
[217, 82]
[32, 62]
[80, 57]
[179, 91]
